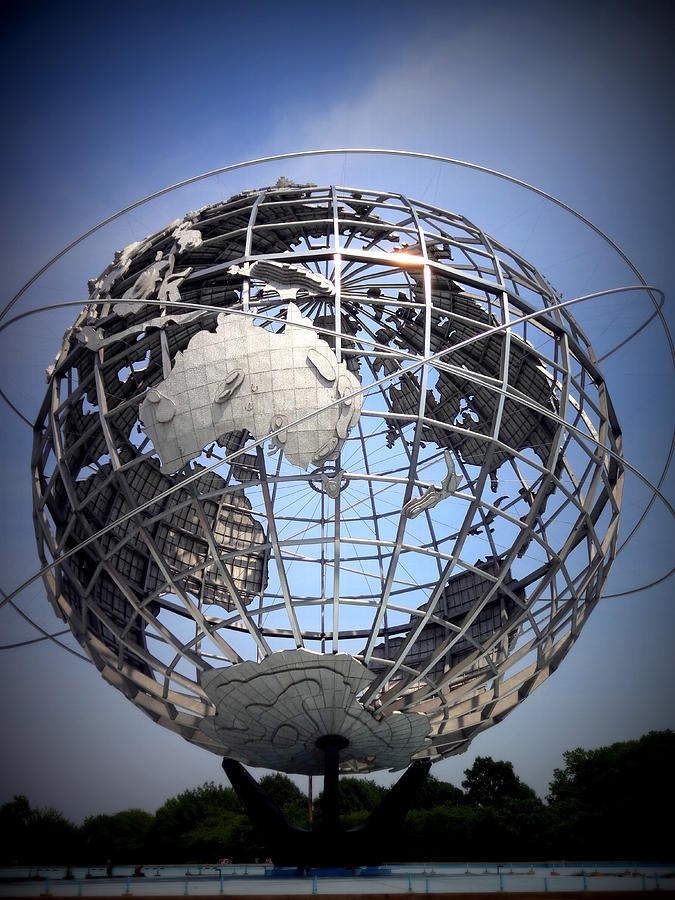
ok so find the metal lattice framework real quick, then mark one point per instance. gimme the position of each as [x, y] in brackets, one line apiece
[460, 600]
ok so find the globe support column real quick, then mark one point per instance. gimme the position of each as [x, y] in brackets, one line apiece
[329, 846]
[331, 744]
[287, 844]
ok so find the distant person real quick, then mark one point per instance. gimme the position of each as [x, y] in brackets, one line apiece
[109, 868]
[138, 872]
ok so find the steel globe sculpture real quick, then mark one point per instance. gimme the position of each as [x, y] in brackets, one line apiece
[325, 466]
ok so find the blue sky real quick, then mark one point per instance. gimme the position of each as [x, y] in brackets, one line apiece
[109, 102]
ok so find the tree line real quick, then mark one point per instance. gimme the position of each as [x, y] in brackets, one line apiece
[615, 802]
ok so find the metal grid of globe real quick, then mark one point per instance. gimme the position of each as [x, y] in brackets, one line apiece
[309, 426]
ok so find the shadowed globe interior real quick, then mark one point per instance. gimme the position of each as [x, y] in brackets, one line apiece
[312, 472]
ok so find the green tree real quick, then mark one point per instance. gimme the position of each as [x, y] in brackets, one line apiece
[434, 792]
[199, 825]
[122, 837]
[357, 797]
[359, 794]
[52, 838]
[442, 834]
[611, 803]
[525, 830]
[15, 819]
[36, 836]
[492, 783]
[285, 794]
[616, 801]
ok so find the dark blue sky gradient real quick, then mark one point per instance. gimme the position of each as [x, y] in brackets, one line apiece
[107, 102]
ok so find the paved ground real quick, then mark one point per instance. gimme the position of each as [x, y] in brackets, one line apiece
[415, 880]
